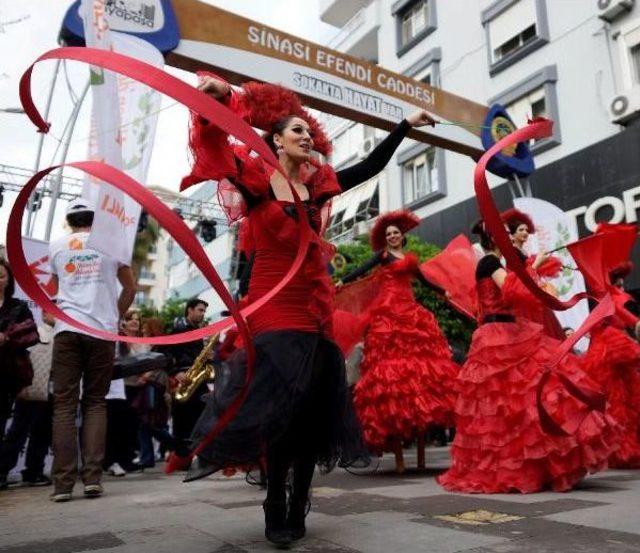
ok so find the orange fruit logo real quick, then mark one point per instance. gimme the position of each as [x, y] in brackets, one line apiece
[70, 267]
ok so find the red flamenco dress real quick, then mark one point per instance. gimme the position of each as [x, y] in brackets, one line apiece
[407, 372]
[500, 446]
[299, 392]
[613, 360]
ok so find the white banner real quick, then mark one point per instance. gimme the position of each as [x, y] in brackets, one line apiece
[555, 228]
[124, 117]
[36, 253]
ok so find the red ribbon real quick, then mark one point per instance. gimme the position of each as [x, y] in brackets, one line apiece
[538, 128]
[218, 115]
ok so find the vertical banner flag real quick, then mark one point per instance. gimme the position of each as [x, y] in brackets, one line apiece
[555, 228]
[124, 116]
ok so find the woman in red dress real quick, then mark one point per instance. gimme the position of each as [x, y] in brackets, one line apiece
[520, 227]
[500, 446]
[407, 371]
[613, 360]
[298, 411]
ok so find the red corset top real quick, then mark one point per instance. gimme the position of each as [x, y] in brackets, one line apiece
[305, 303]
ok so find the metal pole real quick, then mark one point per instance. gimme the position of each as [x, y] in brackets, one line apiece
[55, 191]
[36, 166]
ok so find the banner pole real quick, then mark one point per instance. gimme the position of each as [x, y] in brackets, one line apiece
[55, 191]
[30, 211]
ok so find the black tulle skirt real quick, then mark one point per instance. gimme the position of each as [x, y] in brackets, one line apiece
[299, 393]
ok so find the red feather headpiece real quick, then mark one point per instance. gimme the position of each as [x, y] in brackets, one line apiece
[404, 220]
[514, 217]
[267, 104]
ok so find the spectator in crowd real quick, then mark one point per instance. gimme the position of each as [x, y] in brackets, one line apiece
[122, 422]
[87, 284]
[18, 331]
[186, 414]
[153, 403]
[32, 415]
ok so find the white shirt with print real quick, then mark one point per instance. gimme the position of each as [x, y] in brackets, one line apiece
[87, 283]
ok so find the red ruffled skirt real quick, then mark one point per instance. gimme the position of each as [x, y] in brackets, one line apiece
[407, 374]
[500, 446]
[613, 361]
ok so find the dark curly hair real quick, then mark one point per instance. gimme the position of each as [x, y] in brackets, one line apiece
[10, 290]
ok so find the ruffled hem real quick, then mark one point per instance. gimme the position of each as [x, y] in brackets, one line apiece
[613, 360]
[500, 446]
[407, 377]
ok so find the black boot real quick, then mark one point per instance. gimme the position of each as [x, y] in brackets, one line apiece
[295, 519]
[276, 531]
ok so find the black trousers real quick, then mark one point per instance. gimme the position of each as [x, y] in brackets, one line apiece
[184, 417]
[32, 420]
[117, 444]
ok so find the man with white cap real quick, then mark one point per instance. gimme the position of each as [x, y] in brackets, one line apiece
[87, 283]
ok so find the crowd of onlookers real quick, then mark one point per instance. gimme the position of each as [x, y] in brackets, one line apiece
[143, 425]
[57, 389]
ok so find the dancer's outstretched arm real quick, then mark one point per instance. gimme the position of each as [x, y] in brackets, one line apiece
[381, 154]
[363, 269]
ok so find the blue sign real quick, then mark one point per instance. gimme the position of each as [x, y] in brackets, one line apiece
[515, 160]
[151, 20]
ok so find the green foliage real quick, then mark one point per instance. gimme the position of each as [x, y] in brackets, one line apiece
[171, 309]
[145, 240]
[456, 328]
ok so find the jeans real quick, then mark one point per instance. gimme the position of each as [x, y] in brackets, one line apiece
[79, 357]
[146, 435]
[31, 419]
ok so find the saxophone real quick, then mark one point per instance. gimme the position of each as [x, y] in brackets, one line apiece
[201, 371]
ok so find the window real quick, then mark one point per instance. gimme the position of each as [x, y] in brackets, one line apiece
[514, 29]
[514, 43]
[427, 68]
[534, 96]
[415, 20]
[420, 176]
[634, 55]
[534, 104]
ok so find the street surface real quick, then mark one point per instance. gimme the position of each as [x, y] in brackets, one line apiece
[372, 512]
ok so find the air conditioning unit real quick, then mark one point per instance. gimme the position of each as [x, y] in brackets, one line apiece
[625, 106]
[610, 10]
[367, 146]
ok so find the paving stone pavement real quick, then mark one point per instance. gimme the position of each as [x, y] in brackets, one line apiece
[368, 512]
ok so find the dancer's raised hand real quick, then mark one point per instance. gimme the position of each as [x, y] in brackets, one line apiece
[215, 88]
[420, 118]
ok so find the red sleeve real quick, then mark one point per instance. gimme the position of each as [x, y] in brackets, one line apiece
[213, 156]
[515, 292]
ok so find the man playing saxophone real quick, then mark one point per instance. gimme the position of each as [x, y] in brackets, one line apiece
[185, 414]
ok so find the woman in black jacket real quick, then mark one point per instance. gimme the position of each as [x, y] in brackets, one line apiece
[18, 331]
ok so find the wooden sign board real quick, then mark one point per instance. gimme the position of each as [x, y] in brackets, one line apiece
[240, 49]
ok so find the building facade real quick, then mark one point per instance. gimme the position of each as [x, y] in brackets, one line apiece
[574, 61]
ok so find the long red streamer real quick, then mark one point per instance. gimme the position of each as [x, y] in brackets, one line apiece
[218, 115]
